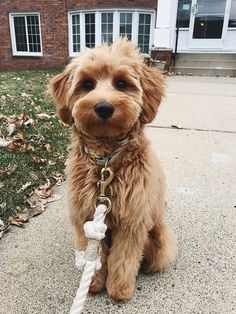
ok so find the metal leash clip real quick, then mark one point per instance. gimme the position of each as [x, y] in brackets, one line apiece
[106, 178]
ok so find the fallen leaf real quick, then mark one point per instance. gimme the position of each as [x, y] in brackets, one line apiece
[25, 94]
[48, 148]
[20, 135]
[32, 200]
[11, 129]
[2, 172]
[43, 116]
[33, 175]
[3, 228]
[44, 192]
[17, 222]
[24, 217]
[51, 163]
[39, 161]
[176, 126]
[6, 118]
[64, 125]
[11, 169]
[59, 178]
[48, 127]
[25, 186]
[29, 122]
[37, 210]
[4, 142]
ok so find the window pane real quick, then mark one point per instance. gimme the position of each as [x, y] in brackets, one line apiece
[104, 28]
[122, 29]
[144, 32]
[90, 30]
[33, 33]
[110, 17]
[183, 13]
[122, 18]
[104, 18]
[232, 16]
[141, 18]
[129, 18]
[20, 33]
[107, 28]
[209, 19]
[76, 32]
[126, 25]
[110, 28]
[147, 19]
[129, 28]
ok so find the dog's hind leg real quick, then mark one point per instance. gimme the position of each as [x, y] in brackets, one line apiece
[160, 249]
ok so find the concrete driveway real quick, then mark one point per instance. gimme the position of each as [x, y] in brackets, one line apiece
[37, 272]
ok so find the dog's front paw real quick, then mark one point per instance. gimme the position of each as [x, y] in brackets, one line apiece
[120, 294]
[98, 283]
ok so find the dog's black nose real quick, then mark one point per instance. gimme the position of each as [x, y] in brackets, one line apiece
[104, 110]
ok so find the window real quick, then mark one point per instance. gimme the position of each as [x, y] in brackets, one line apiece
[144, 32]
[107, 28]
[92, 28]
[25, 34]
[126, 25]
[76, 32]
[232, 15]
[183, 13]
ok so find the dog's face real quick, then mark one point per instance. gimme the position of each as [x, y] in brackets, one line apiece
[106, 90]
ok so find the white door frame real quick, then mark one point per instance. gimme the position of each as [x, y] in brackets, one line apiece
[208, 43]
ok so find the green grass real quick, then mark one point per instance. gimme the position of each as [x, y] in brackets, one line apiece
[20, 165]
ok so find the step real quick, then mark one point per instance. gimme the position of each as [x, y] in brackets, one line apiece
[195, 63]
[206, 56]
[204, 71]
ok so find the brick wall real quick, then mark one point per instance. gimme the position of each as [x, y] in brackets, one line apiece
[54, 28]
[147, 4]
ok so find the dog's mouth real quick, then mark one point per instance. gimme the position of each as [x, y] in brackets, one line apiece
[104, 129]
[106, 118]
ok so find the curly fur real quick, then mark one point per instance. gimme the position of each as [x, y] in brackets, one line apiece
[136, 230]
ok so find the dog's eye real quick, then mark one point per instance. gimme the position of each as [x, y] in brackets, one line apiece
[88, 85]
[121, 84]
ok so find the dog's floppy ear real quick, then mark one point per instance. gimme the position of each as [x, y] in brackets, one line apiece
[152, 82]
[58, 88]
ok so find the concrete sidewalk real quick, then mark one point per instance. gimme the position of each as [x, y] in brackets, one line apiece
[37, 272]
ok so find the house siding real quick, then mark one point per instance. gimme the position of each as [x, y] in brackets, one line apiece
[54, 28]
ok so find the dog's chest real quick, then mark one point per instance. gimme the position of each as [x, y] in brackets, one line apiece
[127, 190]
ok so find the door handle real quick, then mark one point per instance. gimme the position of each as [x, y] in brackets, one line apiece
[194, 8]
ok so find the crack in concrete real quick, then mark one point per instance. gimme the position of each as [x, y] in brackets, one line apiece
[190, 129]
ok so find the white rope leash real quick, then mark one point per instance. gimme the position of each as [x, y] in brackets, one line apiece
[89, 260]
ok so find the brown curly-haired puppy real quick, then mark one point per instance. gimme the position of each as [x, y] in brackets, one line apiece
[108, 95]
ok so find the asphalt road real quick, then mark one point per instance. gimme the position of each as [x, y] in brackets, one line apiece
[37, 271]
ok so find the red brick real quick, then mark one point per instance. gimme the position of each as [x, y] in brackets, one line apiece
[54, 28]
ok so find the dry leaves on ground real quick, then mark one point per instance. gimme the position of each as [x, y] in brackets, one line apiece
[3, 228]
[38, 200]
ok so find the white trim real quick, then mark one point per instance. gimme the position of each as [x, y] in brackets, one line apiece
[98, 26]
[82, 30]
[135, 24]
[13, 36]
[116, 25]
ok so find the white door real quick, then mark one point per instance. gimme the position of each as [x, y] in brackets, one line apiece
[208, 23]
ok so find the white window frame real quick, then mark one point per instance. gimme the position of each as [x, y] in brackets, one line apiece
[116, 26]
[132, 32]
[13, 36]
